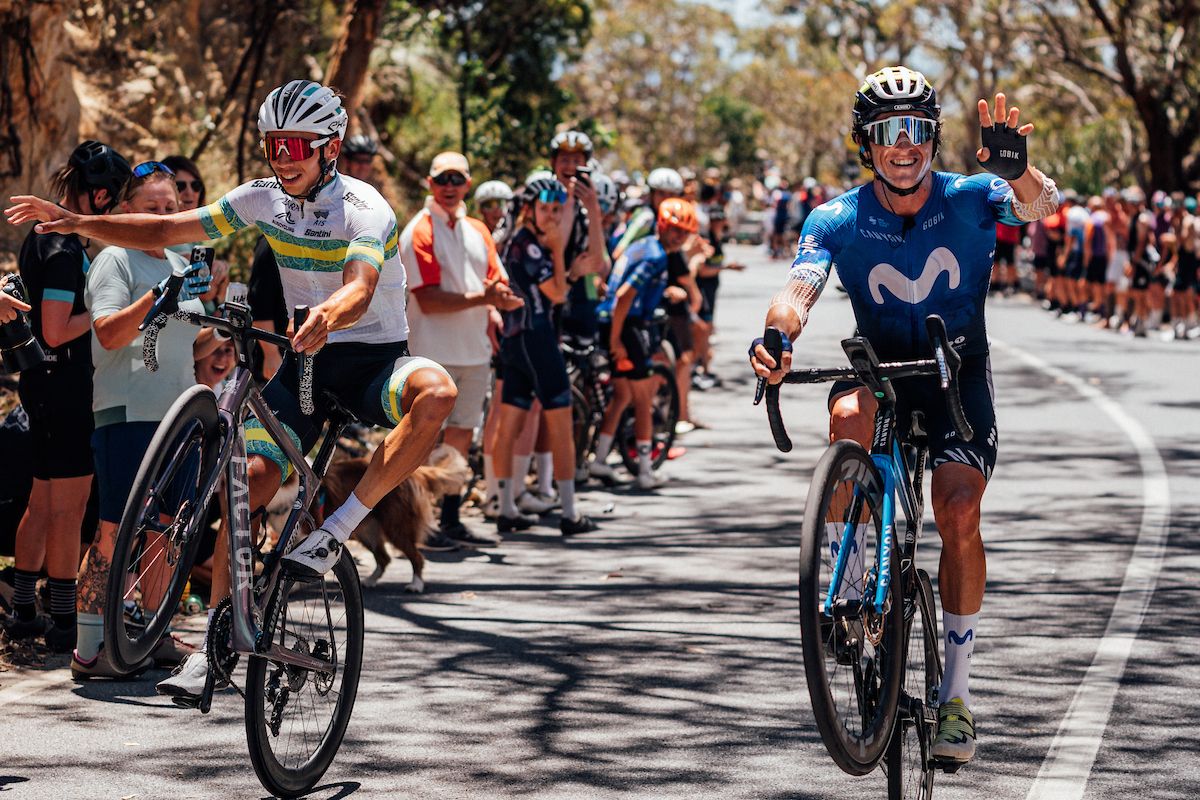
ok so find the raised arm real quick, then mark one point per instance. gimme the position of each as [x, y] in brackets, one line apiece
[137, 231]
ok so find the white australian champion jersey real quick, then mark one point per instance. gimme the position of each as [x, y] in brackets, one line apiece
[312, 242]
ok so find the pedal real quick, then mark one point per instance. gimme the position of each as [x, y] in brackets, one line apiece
[186, 702]
[947, 766]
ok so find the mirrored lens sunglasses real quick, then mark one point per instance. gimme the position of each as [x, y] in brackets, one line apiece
[150, 167]
[886, 132]
[552, 196]
[296, 147]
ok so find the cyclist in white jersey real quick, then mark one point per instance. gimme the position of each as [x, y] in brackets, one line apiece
[335, 240]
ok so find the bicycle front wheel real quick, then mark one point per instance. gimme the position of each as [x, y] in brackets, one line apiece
[161, 527]
[296, 718]
[910, 775]
[853, 657]
[665, 414]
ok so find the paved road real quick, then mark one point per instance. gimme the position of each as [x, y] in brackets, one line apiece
[659, 658]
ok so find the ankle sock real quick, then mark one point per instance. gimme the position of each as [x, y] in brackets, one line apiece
[25, 594]
[545, 469]
[566, 494]
[89, 636]
[62, 602]
[489, 478]
[346, 519]
[604, 443]
[645, 463]
[508, 505]
[962, 630]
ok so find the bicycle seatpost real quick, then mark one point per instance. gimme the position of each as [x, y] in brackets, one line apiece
[305, 365]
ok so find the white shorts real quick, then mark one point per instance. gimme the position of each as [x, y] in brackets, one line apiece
[473, 382]
[1116, 270]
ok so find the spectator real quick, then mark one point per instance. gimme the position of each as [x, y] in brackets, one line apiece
[535, 257]
[214, 368]
[491, 202]
[1099, 246]
[129, 401]
[457, 284]
[57, 397]
[358, 157]
[192, 194]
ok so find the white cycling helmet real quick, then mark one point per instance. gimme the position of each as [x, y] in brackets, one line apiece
[665, 179]
[537, 175]
[493, 190]
[606, 192]
[304, 106]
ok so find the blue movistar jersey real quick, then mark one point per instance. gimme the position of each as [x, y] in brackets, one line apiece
[644, 266]
[899, 270]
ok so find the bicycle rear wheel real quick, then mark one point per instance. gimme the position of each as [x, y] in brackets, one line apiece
[852, 659]
[161, 527]
[910, 776]
[296, 718]
[665, 416]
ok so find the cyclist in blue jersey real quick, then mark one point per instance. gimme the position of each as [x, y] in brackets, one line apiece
[638, 282]
[911, 243]
[335, 240]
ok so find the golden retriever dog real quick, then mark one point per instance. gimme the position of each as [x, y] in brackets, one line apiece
[405, 516]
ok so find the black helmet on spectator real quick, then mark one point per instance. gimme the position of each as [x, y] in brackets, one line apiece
[360, 144]
[98, 166]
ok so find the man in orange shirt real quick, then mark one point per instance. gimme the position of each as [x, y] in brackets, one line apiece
[457, 286]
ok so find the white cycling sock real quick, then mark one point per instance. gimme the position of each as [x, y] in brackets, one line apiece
[520, 472]
[489, 478]
[545, 468]
[961, 633]
[346, 519]
[645, 463]
[566, 493]
[604, 443]
[852, 578]
[89, 635]
[508, 504]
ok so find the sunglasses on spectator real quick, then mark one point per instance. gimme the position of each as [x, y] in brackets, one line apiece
[297, 147]
[552, 196]
[886, 132]
[450, 179]
[196, 186]
[150, 167]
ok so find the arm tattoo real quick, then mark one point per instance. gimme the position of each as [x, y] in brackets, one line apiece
[1045, 204]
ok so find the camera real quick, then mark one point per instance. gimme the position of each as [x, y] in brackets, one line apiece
[18, 348]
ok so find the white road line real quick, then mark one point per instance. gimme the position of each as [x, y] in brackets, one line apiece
[32, 685]
[1064, 772]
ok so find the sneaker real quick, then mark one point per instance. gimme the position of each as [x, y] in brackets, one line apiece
[315, 556]
[438, 542]
[536, 503]
[19, 630]
[518, 523]
[955, 741]
[61, 640]
[101, 667]
[598, 469]
[462, 536]
[171, 651]
[186, 683]
[581, 524]
[684, 426]
[648, 480]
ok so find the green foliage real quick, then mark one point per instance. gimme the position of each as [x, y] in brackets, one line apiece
[736, 124]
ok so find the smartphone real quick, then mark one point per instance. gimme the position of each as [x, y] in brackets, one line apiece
[584, 175]
[203, 255]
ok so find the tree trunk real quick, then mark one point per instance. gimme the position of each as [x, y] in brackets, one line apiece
[350, 56]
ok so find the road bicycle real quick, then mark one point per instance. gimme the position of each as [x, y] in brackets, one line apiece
[303, 638]
[868, 623]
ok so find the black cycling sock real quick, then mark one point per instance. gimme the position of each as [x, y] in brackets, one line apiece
[24, 594]
[62, 602]
[450, 506]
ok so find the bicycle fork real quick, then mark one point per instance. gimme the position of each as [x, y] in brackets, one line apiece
[841, 607]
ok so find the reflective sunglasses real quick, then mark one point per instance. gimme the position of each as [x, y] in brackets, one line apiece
[887, 132]
[150, 167]
[552, 196]
[196, 186]
[296, 147]
[450, 179]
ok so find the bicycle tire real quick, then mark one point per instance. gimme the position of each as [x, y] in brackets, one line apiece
[665, 417]
[191, 424]
[291, 780]
[857, 734]
[909, 769]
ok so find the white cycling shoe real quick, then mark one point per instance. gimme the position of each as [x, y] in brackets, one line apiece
[186, 683]
[315, 556]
